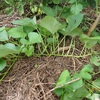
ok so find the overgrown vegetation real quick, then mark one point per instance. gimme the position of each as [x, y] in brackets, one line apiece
[46, 34]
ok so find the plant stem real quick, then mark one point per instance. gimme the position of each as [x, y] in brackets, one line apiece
[70, 46]
[61, 85]
[83, 49]
[63, 45]
[93, 25]
[8, 69]
[59, 55]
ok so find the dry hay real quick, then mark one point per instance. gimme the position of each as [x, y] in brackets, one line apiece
[34, 78]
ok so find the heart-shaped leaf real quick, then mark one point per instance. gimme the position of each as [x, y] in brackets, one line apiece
[65, 75]
[24, 41]
[7, 49]
[51, 24]
[34, 38]
[17, 32]
[74, 21]
[49, 11]
[26, 22]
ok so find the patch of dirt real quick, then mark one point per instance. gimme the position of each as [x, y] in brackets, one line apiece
[34, 78]
[6, 20]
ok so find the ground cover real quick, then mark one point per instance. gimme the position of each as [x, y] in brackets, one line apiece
[50, 57]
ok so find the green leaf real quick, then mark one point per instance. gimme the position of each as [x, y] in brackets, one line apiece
[10, 2]
[97, 82]
[64, 14]
[2, 28]
[7, 49]
[3, 36]
[85, 72]
[9, 10]
[17, 32]
[95, 96]
[80, 93]
[76, 9]
[95, 60]
[84, 38]
[74, 21]
[44, 32]
[65, 97]
[95, 34]
[24, 41]
[72, 1]
[63, 77]
[21, 9]
[88, 41]
[51, 40]
[34, 38]
[75, 32]
[92, 3]
[51, 24]
[29, 51]
[59, 91]
[77, 84]
[2, 64]
[48, 11]
[28, 29]
[25, 22]
[56, 1]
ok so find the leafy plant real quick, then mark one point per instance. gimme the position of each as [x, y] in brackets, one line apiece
[75, 87]
[47, 36]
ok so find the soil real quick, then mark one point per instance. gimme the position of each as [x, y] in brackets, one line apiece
[6, 20]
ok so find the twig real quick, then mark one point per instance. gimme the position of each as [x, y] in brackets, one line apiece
[41, 87]
[93, 25]
[60, 49]
[59, 86]
[74, 63]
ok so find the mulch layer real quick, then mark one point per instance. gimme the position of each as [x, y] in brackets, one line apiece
[34, 78]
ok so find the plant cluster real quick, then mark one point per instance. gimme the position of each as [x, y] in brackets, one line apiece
[45, 36]
[35, 6]
[79, 85]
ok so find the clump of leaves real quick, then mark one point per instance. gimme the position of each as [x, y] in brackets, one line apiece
[75, 87]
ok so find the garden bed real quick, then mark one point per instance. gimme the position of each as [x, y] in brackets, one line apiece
[44, 53]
